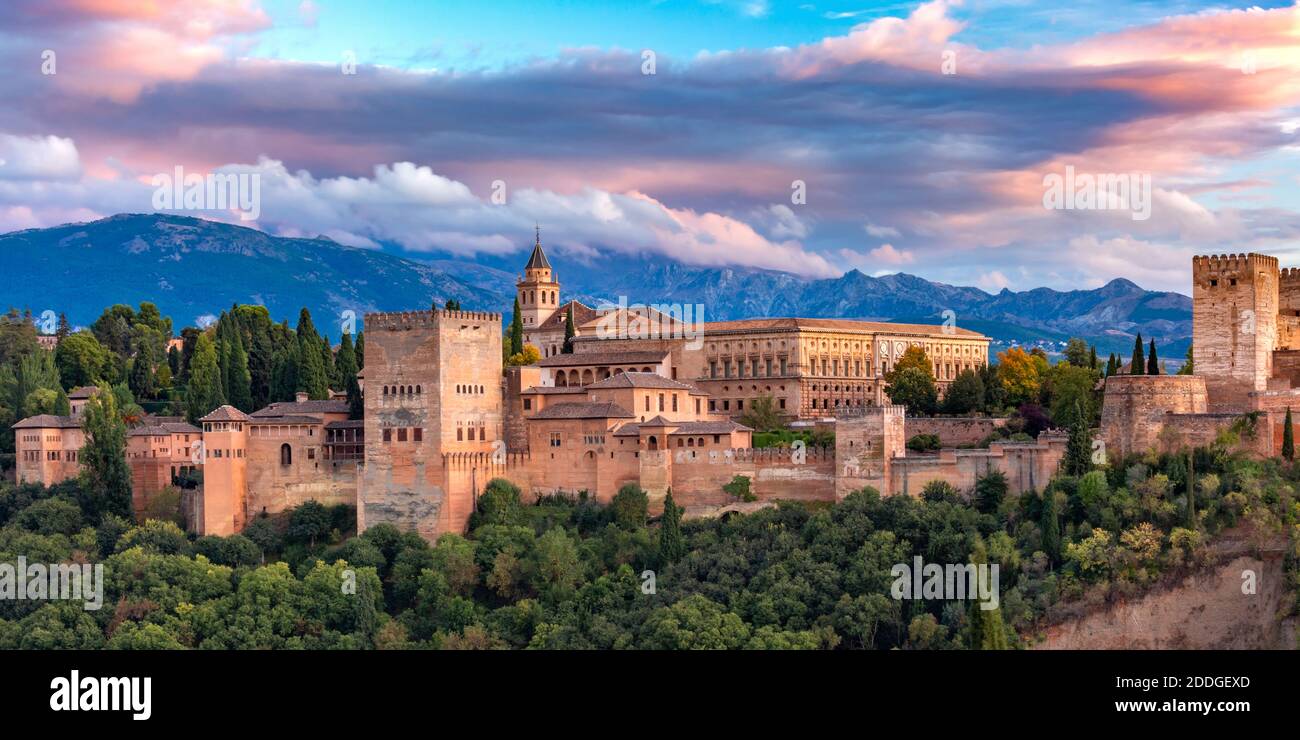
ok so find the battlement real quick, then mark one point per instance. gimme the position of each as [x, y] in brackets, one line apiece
[398, 320]
[487, 316]
[1233, 262]
[406, 320]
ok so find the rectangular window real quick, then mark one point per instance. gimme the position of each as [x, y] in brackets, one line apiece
[781, 403]
[555, 439]
[528, 404]
[674, 402]
[401, 434]
[388, 435]
[661, 402]
[418, 433]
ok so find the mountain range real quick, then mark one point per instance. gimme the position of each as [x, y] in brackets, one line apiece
[193, 268]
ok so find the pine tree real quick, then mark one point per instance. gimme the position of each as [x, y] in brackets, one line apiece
[204, 391]
[1137, 365]
[1288, 437]
[1049, 524]
[311, 366]
[516, 331]
[672, 545]
[569, 332]
[1153, 363]
[103, 457]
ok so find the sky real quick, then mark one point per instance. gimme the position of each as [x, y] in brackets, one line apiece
[812, 137]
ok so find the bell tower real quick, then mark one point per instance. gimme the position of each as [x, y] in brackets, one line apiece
[538, 290]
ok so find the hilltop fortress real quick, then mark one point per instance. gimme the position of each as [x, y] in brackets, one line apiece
[1246, 361]
[657, 403]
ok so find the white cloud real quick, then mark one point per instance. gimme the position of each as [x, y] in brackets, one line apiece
[889, 255]
[881, 232]
[993, 281]
[38, 158]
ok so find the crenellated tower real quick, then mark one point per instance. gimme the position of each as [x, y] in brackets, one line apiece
[433, 388]
[1235, 325]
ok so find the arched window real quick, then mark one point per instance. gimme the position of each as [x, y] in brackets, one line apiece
[286, 454]
[653, 442]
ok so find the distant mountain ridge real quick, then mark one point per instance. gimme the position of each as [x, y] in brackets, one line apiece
[194, 268]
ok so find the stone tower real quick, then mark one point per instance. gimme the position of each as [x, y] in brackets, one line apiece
[1235, 320]
[539, 290]
[433, 388]
[225, 471]
[866, 442]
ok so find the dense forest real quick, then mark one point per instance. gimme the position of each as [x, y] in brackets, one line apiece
[570, 573]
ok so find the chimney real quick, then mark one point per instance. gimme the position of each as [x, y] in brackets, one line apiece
[300, 397]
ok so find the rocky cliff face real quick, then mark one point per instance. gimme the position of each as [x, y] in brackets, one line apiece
[1203, 611]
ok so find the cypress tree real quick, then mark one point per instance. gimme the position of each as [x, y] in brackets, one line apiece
[347, 367]
[986, 629]
[61, 405]
[569, 332]
[327, 358]
[311, 366]
[672, 546]
[1137, 365]
[284, 374]
[516, 331]
[1049, 524]
[64, 329]
[1092, 357]
[142, 377]
[1190, 508]
[204, 391]
[1153, 363]
[1078, 450]
[238, 382]
[1288, 437]
[361, 350]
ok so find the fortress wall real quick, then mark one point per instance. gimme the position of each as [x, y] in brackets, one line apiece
[1028, 466]
[1134, 408]
[954, 431]
[698, 477]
